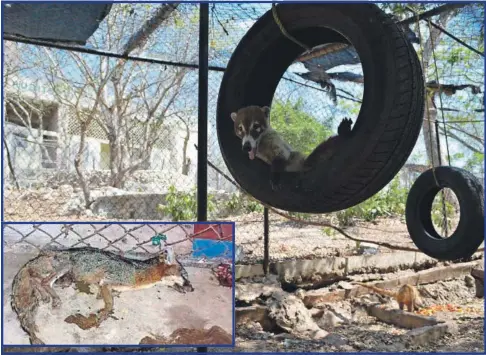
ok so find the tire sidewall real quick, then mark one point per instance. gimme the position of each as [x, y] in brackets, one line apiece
[373, 42]
[469, 233]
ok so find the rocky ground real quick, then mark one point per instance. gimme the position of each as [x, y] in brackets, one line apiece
[348, 326]
[357, 331]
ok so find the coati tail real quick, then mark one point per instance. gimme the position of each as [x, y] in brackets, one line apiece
[329, 147]
[323, 151]
[378, 290]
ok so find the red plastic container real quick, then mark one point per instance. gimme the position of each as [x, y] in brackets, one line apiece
[217, 232]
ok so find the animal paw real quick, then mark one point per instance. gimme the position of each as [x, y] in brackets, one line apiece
[276, 186]
[344, 128]
[45, 298]
[275, 182]
[56, 302]
[178, 288]
[82, 321]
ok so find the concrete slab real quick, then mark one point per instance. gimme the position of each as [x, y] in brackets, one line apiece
[158, 310]
[315, 297]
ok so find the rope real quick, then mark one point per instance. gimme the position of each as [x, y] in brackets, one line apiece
[312, 223]
[436, 123]
[444, 209]
[427, 95]
[440, 94]
[284, 31]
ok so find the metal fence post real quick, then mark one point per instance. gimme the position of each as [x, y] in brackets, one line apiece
[265, 240]
[202, 131]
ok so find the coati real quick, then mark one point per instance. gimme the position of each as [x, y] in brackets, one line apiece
[260, 140]
[407, 295]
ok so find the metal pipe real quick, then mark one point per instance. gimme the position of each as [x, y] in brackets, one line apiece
[108, 54]
[202, 126]
[202, 131]
[266, 241]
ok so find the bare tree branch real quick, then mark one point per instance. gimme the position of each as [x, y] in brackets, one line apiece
[140, 38]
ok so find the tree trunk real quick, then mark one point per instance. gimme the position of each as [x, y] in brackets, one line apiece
[77, 164]
[10, 165]
[428, 130]
[185, 161]
[430, 135]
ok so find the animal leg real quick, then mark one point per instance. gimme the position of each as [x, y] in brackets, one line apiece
[401, 305]
[107, 295]
[44, 295]
[411, 306]
[99, 295]
[276, 168]
[94, 319]
[36, 282]
[46, 284]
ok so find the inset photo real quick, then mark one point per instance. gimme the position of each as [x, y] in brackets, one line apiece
[118, 284]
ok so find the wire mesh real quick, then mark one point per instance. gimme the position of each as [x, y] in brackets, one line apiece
[136, 240]
[139, 157]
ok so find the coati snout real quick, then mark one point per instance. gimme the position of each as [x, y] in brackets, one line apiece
[247, 147]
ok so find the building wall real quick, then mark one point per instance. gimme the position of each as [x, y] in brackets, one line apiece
[28, 151]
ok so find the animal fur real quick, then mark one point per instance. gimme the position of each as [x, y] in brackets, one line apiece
[86, 266]
[407, 295]
[260, 140]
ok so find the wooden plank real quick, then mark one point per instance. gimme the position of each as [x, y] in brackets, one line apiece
[400, 318]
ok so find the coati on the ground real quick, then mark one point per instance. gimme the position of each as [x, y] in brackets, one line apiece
[407, 295]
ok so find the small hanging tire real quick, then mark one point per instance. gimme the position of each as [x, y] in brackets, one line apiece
[469, 233]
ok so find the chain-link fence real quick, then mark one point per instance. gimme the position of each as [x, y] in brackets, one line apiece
[202, 245]
[204, 251]
[129, 154]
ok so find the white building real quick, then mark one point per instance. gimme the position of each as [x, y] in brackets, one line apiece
[42, 135]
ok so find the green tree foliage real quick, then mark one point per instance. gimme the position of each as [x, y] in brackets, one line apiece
[299, 128]
[182, 205]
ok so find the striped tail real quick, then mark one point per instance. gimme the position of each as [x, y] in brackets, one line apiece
[378, 290]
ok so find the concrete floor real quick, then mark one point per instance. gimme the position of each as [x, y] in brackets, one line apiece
[157, 310]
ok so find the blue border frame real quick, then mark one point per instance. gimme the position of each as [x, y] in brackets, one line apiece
[232, 345]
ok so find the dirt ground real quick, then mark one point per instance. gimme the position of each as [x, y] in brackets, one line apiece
[288, 239]
[292, 240]
[360, 332]
[157, 310]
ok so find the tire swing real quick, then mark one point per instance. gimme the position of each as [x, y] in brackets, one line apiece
[469, 233]
[389, 120]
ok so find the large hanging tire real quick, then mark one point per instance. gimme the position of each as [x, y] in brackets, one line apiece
[385, 131]
[469, 233]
